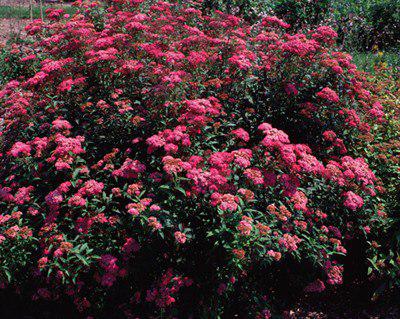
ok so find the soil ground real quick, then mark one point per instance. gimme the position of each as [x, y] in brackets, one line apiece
[11, 27]
[14, 3]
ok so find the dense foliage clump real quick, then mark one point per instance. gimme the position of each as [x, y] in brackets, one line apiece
[183, 164]
[361, 24]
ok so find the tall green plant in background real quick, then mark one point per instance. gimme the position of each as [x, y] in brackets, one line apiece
[250, 10]
[302, 14]
[361, 24]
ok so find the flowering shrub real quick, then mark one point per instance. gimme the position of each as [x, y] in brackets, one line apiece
[181, 163]
[382, 149]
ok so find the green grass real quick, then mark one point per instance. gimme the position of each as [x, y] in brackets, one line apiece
[11, 12]
[367, 60]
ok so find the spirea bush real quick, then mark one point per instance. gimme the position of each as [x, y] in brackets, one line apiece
[383, 153]
[156, 161]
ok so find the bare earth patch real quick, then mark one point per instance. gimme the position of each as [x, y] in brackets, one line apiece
[10, 28]
[15, 3]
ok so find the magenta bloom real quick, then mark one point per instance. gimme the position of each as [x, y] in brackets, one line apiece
[353, 201]
[20, 149]
[328, 94]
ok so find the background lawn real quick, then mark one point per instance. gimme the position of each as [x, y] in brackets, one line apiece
[23, 12]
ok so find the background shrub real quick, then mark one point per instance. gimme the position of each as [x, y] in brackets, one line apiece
[385, 19]
[361, 24]
[365, 24]
[302, 14]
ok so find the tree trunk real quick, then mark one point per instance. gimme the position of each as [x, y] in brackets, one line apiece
[41, 9]
[31, 9]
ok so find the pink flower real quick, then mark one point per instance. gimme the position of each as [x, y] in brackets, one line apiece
[265, 314]
[299, 200]
[221, 288]
[180, 237]
[329, 136]
[67, 145]
[130, 169]
[54, 198]
[310, 164]
[23, 195]
[66, 85]
[325, 34]
[172, 165]
[58, 253]
[359, 170]
[61, 125]
[243, 157]
[377, 111]
[130, 246]
[12, 232]
[40, 145]
[241, 61]
[20, 149]
[64, 187]
[273, 136]
[109, 263]
[274, 21]
[42, 262]
[291, 89]
[196, 58]
[247, 194]
[108, 280]
[173, 78]
[299, 47]
[38, 78]
[77, 200]
[254, 175]
[91, 187]
[329, 95]
[245, 226]
[241, 134]
[353, 201]
[274, 254]
[155, 208]
[224, 201]
[334, 274]
[154, 223]
[130, 66]
[289, 242]
[316, 286]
